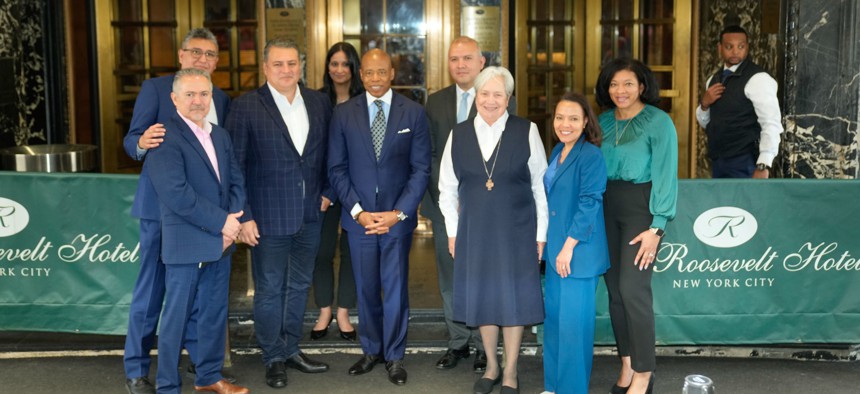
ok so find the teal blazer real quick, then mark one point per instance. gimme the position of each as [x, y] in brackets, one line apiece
[575, 200]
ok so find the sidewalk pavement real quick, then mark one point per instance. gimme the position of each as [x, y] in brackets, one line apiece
[102, 372]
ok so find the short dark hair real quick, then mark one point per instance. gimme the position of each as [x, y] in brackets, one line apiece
[592, 131]
[733, 29]
[355, 85]
[651, 93]
[280, 42]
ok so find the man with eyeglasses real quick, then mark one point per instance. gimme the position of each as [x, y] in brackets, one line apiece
[152, 109]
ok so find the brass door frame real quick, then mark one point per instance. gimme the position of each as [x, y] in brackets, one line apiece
[587, 47]
[683, 70]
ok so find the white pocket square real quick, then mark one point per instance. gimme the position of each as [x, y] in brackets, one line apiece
[404, 131]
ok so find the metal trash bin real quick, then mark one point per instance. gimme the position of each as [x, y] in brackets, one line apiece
[49, 158]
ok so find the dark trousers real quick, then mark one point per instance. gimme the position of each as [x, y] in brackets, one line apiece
[630, 300]
[458, 333]
[282, 267]
[381, 267]
[145, 309]
[206, 288]
[741, 166]
[324, 269]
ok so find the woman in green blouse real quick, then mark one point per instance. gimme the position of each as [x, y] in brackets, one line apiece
[640, 147]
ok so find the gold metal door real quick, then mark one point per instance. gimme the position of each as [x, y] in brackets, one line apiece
[139, 39]
[561, 45]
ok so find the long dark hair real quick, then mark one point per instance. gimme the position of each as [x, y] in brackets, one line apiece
[592, 131]
[651, 93]
[355, 85]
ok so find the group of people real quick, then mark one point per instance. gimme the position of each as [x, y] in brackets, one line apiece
[290, 162]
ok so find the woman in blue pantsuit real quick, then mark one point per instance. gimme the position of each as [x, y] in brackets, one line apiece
[576, 251]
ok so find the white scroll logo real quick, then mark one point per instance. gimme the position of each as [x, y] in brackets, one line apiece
[13, 217]
[725, 227]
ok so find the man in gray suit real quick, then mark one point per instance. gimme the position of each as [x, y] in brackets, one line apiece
[445, 109]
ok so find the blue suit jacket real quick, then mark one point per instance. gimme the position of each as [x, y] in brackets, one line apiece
[575, 199]
[284, 187]
[194, 204]
[153, 105]
[398, 179]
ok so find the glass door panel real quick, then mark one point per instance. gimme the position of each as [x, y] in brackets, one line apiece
[397, 27]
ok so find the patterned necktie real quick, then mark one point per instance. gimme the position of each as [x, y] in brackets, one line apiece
[377, 129]
[463, 112]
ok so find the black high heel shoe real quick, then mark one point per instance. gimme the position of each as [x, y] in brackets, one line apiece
[616, 389]
[348, 335]
[319, 334]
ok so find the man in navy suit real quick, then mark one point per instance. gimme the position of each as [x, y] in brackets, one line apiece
[280, 133]
[152, 110]
[201, 194]
[379, 163]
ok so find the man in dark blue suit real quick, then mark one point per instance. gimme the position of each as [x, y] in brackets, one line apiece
[280, 132]
[152, 110]
[201, 194]
[379, 163]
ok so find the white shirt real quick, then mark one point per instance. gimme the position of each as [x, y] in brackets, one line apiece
[488, 137]
[295, 115]
[761, 90]
[212, 116]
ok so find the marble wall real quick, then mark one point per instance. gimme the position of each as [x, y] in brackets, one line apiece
[21, 43]
[816, 63]
[822, 79]
[764, 51]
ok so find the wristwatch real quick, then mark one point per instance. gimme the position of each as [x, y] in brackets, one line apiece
[657, 231]
[761, 167]
[400, 215]
[357, 215]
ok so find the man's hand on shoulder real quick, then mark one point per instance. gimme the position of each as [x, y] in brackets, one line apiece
[712, 95]
[152, 137]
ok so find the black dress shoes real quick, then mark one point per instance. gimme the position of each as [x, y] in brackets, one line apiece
[139, 386]
[191, 373]
[452, 357]
[396, 372]
[364, 365]
[480, 364]
[319, 334]
[485, 385]
[276, 375]
[348, 335]
[304, 364]
[616, 389]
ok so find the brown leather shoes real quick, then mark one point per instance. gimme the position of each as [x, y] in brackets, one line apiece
[223, 387]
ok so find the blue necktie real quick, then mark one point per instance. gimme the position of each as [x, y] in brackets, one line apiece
[377, 129]
[726, 74]
[463, 112]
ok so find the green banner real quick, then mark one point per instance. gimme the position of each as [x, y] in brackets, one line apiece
[744, 262]
[751, 261]
[68, 252]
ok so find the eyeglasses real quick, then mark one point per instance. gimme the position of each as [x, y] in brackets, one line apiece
[197, 52]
